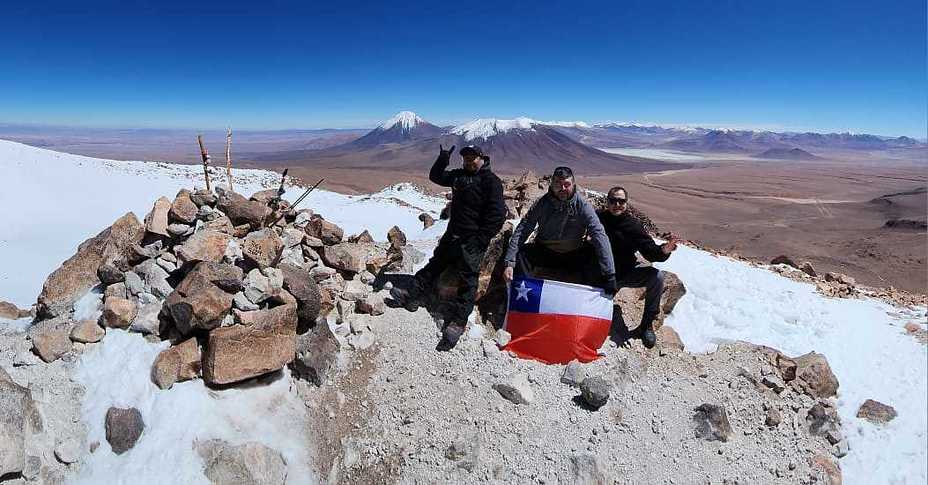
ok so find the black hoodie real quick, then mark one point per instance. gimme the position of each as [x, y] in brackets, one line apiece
[477, 207]
[627, 236]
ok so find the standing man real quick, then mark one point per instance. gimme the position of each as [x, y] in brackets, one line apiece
[627, 236]
[563, 219]
[477, 214]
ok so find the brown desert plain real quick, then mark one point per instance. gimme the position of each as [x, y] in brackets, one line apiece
[832, 213]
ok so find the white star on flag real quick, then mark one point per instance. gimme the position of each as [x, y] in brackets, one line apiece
[523, 291]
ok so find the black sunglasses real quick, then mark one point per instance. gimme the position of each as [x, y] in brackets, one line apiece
[617, 200]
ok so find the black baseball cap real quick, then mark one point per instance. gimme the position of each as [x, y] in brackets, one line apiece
[472, 150]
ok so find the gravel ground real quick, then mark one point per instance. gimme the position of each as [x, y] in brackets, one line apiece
[58, 400]
[421, 416]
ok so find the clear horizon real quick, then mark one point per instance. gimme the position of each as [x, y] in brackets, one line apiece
[854, 66]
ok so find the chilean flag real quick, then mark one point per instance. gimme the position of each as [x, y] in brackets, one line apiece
[556, 322]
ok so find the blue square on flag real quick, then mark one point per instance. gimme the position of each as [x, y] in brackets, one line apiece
[525, 295]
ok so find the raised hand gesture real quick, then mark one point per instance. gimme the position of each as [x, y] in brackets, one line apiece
[446, 154]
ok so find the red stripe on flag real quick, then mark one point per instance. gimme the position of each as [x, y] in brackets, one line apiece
[554, 338]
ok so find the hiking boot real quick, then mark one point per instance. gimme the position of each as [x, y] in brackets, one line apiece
[449, 337]
[406, 297]
[647, 335]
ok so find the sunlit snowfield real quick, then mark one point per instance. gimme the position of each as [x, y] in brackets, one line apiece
[62, 199]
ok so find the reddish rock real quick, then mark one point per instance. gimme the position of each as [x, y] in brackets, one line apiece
[9, 310]
[363, 238]
[242, 211]
[876, 412]
[814, 376]
[177, 364]
[302, 286]
[326, 231]
[118, 312]
[205, 245]
[427, 220]
[397, 237]
[78, 274]
[156, 222]
[263, 248]
[669, 339]
[204, 274]
[346, 256]
[87, 331]
[183, 209]
[826, 469]
[673, 291]
[241, 352]
[50, 340]
[201, 310]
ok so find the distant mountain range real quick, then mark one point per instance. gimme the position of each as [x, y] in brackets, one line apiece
[406, 141]
[617, 135]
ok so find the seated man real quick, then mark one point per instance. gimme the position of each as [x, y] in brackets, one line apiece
[477, 214]
[563, 219]
[626, 237]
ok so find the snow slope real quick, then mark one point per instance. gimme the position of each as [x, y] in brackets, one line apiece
[864, 341]
[483, 128]
[52, 201]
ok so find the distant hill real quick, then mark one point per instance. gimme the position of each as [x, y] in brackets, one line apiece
[409, 142]
[786, 154]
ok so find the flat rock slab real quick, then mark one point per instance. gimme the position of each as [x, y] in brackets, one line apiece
[265, 342]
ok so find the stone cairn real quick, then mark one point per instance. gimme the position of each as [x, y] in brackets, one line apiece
[239, 286]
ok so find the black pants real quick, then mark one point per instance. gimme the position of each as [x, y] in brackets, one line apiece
[577, 266]
[650, 278]
[464, 256]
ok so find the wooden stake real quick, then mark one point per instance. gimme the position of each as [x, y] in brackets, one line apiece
[229, 157]
[205, 155]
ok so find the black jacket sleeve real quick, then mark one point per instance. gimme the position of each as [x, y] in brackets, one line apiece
[439, 175]
[494, 209]
[646, 245]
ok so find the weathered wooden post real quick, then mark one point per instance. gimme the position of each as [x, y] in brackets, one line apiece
[205, 155]
[229, 157]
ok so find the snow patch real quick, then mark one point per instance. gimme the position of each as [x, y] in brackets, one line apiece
[567, 124]
[863, 339]
[116, 372]
[488, 127]
[406, 120]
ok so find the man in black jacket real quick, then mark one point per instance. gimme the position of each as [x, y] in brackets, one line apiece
[627, 236]
[477, 214]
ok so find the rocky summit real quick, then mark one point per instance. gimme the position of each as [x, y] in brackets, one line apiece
[241, 293]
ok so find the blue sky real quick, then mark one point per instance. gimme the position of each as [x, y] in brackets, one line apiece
[811, 65]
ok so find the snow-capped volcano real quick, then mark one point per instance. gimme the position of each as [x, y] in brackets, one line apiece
[483, 128]
[403, 127]
[406, 120]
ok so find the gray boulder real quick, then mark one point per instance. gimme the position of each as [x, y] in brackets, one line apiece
[123, 428]
[712, 423]
[19, 419]
[250, 463]
[595, 391]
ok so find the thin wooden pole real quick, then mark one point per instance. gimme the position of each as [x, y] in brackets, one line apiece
[229, 157]
[205, 155]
